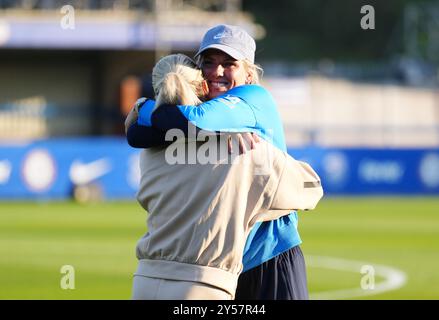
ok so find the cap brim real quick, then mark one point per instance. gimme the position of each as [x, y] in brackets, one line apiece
[235, 54]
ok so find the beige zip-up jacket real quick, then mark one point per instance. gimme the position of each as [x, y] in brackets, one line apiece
[201, 214]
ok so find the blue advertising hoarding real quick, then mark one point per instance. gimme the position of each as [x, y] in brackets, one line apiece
[358, 171]
[49, 169]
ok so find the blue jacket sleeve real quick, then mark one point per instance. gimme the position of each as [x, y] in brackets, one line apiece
[227, 113]
[140, 136]
[231, 112]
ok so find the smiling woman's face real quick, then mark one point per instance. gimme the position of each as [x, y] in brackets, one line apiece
[222, 72]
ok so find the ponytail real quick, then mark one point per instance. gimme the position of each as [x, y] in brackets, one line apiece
[176, 80]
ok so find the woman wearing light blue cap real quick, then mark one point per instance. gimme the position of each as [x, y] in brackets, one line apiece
[274, 266]
[200, 213]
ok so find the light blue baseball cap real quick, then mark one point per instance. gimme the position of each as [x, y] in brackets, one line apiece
[233, 40]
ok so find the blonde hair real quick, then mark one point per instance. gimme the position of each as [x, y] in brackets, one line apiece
[255, 70]
[177, 80]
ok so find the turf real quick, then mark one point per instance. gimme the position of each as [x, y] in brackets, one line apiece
[98, 240]
[401, 233]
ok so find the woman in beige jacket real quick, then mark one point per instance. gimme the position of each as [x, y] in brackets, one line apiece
[201, 212]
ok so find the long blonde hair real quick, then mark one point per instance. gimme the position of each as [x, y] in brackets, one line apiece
[255, 70]
[177, 80]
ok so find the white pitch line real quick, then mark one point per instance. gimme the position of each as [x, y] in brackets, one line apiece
[393, 278]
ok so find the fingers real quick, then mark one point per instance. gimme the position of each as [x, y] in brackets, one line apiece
[229, 145]
[242, 147]
[256, 137]
[133, 115]
[252, 139]
[130, 119]
[245, 140]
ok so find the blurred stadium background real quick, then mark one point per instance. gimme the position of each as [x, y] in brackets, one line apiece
[362, 106]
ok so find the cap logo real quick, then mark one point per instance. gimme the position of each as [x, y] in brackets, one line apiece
[232, 40]
[221, 35]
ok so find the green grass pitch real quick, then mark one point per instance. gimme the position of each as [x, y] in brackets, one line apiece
[98, 240]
